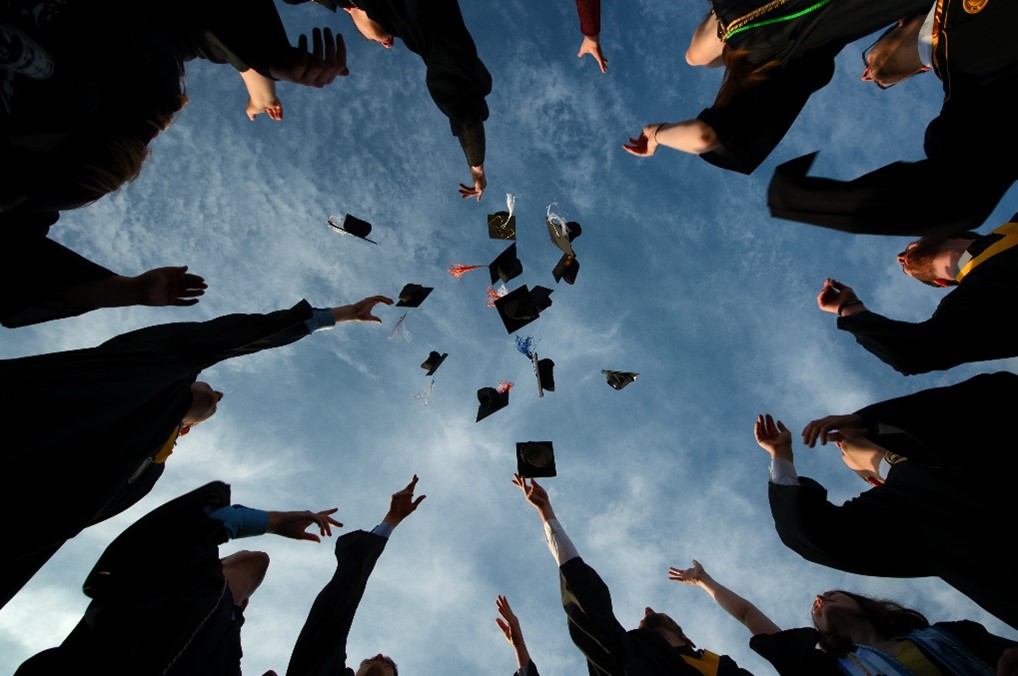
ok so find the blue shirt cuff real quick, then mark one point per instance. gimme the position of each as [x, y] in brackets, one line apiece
[321, 318]
[241, 521]
[384, 529]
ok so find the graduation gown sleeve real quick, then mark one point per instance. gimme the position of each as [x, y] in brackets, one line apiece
[957, 424]
[754, 121]
[971, 323]
[321, 646]
[824, 533]
[794, 652]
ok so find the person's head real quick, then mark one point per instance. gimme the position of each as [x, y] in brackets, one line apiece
[204, 402]
[922, 258]
[244, 572]
[894, 57]
[836, 613]
[664, 625]
[369, 28]
[379, 665]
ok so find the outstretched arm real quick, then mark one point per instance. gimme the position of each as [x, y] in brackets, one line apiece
[690, 136]
[157, 287]
[294, 525]
[589, 12]
[510, 627]
[730, 602]
[403, 504]
[261, 96]
[360, 311]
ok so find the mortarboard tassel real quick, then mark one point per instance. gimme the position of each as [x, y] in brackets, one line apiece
[504, 386]
[424, 396]
[494, 295]
[458, 270]
[510, 203]
[526, 345]
[401, 329]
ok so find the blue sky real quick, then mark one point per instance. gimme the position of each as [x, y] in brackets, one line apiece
[686, 279]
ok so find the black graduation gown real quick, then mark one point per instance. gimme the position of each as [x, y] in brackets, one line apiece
[794, 652]
[34, 267]
[111, 407]
[611, 650]
[955, 523]
[970, 147]
[753, 122]
[457, 79]
[321, 647]
[973, 322]
[160, 603]
[957, 425]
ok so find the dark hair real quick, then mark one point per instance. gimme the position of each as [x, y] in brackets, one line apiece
[740, 73]
[657, 621]
[889, 618]
[922, 254]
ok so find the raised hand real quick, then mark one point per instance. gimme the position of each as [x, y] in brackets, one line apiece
[510, 626]
[773, 437]
[691, 575]
[360, 311]
[295, 524]
[535, 495]
[480, 182]
[833, 295]
[169, 286]
[592, 45]
[272, 107]
[319, 67]
[833, 428]
[403, 503]
[645, 144]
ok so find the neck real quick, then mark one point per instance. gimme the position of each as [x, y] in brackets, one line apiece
[861, 632]
[947, 262]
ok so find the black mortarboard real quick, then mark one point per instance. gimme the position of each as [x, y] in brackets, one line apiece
[562, 235]
[566, 269]
[490, 400]
[535, 459]
[522, 306]
[413, 295]
[352, 226]
[433, 361]
[501, 225]
[544, 368]
[619, 379]
[507, 266]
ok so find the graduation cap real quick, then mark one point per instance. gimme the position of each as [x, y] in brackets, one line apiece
[619, 379]
[562, 234]
[522, 306]
[506, 266]
[535, 459]
[433, 361]
[352, 226]
[490, 400]
[413, 295]
[566, 269]
[501, 225]
[544, 369]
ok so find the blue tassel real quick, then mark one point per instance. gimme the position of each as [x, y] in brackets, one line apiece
[526, 345]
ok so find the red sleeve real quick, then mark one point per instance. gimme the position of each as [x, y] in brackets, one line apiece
[589, 12]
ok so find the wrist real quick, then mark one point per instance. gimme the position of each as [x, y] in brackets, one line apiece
[848, 304]
[342, 313]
